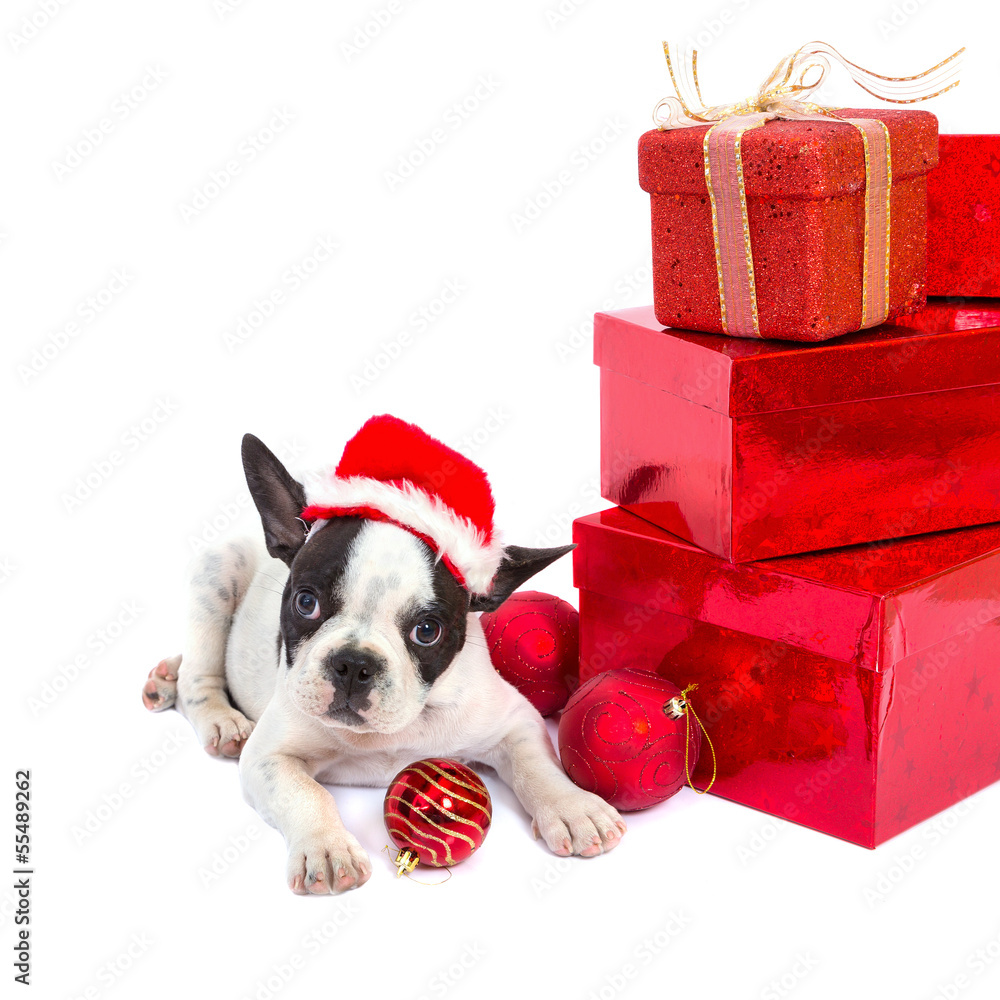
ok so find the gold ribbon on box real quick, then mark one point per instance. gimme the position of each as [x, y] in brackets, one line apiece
[783, 95]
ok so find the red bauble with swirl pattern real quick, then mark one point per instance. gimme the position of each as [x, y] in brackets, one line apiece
[534, 643]
[617, 738]
[439, 810]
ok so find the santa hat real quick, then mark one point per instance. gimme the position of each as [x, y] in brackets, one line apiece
[393, 471]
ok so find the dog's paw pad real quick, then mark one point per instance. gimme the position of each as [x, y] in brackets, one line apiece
[579, 823]
[327, 865]
[160, 690]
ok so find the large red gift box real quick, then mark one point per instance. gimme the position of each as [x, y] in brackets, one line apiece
[805, 197]
[963, 217]
[854, 691]
[754, 449]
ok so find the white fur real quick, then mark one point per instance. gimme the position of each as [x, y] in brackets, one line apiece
[469, 713]
[456, 537]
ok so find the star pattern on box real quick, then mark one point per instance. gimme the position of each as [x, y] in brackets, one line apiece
[826, 739]
[898, 735]
[900, 818]
[973, 683]
[955, 485]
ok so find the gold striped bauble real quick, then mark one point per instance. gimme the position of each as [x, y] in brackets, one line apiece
[437, 811]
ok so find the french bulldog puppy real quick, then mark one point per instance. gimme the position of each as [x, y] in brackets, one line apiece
[348, 645]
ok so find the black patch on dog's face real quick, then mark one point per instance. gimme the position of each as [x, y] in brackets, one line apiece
[346, 715]
[449, 610]
[317, 568]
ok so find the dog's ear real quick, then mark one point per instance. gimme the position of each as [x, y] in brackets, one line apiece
[279, 499]
[517, 566]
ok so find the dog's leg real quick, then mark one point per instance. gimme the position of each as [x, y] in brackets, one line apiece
[219, 581]
[569, 819]
[322, 856]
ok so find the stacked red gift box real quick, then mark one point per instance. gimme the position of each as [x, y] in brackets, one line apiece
[809, 531]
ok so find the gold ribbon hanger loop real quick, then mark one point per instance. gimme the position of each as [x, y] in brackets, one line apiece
[789, 84]
[406, 862]
[675, 708]
[938, 79]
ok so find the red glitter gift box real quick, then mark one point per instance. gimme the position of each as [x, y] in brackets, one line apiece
[963, 217]
[754, 449]
[805, 197]
[853, 691]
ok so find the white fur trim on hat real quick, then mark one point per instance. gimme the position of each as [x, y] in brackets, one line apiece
[454, 536]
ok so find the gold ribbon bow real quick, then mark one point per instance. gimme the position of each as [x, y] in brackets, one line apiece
[784, 95]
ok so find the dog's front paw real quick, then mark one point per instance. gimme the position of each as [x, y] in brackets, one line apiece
[223, 733]
[330, 862]
[578, 822]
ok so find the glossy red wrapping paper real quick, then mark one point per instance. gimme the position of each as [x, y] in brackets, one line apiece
[963, 217]
[805, 184]
[853, 691]
[755, 449]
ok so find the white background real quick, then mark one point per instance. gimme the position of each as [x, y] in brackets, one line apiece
[727, 903]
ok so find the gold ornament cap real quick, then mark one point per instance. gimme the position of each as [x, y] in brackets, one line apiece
[406, 862]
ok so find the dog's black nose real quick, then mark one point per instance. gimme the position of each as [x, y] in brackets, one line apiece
[352, 670]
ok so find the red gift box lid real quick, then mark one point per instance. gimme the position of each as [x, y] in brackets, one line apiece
[870, 605]
[945, 346]
[791, 159]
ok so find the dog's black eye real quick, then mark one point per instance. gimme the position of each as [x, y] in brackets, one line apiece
[306, 604]
[426, 632]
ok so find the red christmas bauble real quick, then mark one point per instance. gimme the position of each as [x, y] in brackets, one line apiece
[622, 735]
[438, 810]
[534, 642]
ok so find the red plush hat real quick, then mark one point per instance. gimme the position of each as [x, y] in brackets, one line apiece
[393, 471]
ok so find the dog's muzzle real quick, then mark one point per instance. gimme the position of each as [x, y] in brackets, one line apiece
[353, 673]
